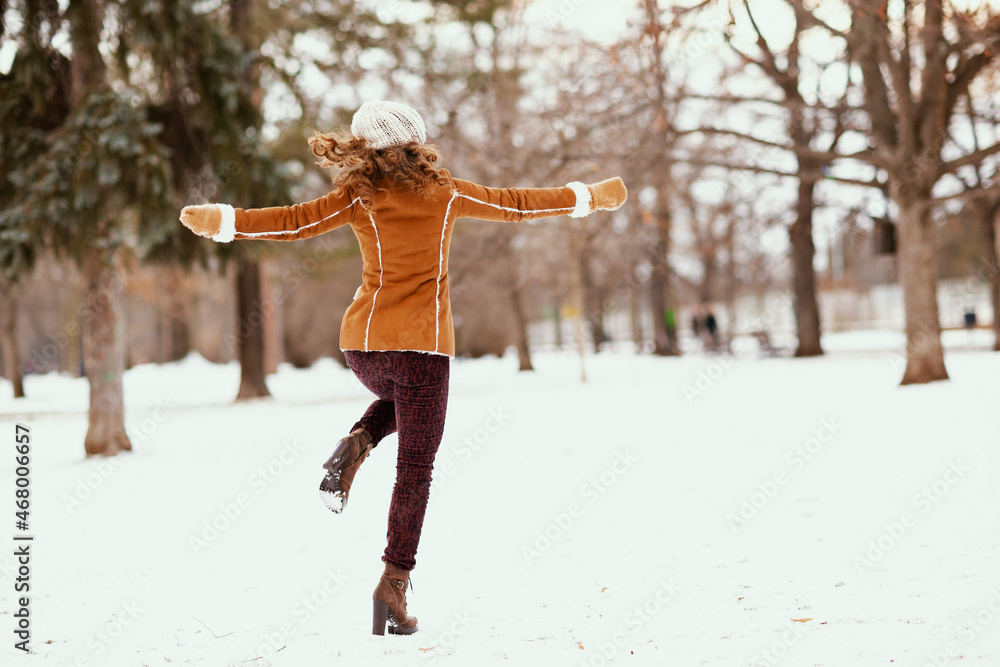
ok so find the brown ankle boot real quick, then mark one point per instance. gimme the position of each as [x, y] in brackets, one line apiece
[390, 603]
[341, 468]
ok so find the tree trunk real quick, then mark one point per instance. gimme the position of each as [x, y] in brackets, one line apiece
[250, 331]
[559, 336]
[635, 310]
[172, 332]
[576, 292]
[594, 310]
[595, 320]
[992, 229]
[274, 325]
[730, 285]
[804, 276]
[180, 337]
[103, 325]
[709, 257]
[73, 353]
[521, 332]
[161, 343]
[241, 20]
[661, 344]
[662, 340]
[87, 67]
[179, 333]
[250, 318]
[10, 349]
[664, 335]
[918, 276]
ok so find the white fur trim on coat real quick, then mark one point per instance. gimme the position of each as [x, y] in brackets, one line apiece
[582, 209]
[437, 290]
[437, 354]
[227, 231]
[378, 244]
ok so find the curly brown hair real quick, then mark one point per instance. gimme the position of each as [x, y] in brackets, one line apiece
[362, 171]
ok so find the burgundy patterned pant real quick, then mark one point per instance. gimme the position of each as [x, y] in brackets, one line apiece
[413, 397]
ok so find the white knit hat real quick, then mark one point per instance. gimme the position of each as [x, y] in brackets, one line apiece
[382, 124]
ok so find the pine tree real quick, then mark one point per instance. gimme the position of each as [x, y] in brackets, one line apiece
[102, 176]
[209, 105]
[163, 121]
[34, 99]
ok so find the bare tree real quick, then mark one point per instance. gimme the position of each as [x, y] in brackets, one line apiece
[996, 278]
[915, 67]
[805, 129]
[984, 205]
[813, 127]
[712, 226]
[660, 144]
[987, 210]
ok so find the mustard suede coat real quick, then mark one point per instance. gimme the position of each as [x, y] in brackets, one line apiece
[403, 302]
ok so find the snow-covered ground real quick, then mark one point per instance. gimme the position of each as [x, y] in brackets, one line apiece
[693, 511]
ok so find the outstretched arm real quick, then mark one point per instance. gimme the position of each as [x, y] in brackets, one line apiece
[223, 223]
[515, 204]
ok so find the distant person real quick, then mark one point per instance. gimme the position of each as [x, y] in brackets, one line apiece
[398, 335]
[712, 328]
[970, 322]
[970, 319]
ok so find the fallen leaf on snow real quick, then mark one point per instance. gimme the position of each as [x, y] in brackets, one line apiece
[801, 620]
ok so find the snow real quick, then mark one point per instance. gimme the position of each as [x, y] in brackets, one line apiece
[667, 512]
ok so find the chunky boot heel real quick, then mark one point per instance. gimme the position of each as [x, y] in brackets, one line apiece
[341, 468]
[380, 614]
[390, 603]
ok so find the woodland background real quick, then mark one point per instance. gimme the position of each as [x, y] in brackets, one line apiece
[788, 161]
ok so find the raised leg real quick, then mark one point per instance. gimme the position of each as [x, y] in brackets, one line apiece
[379, 420]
